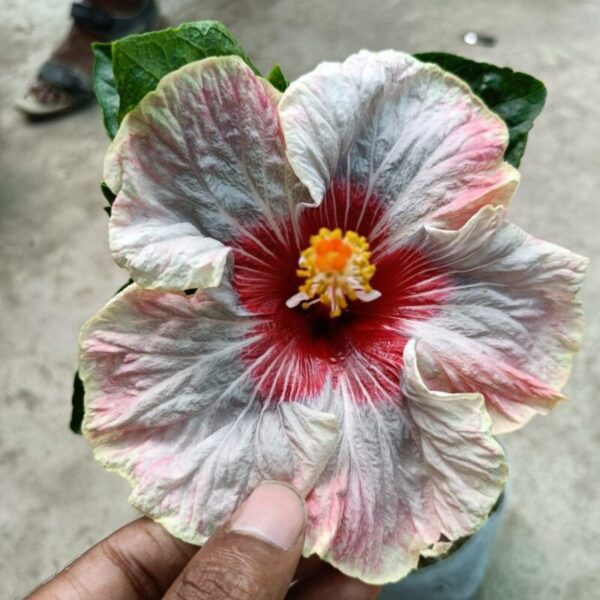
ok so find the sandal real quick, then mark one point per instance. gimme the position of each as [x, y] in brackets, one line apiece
[75, 87]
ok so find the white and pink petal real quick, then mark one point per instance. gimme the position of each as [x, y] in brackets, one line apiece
[170, 407]
[406, 132]
[194, 164]
[509, 322]
[405, 476]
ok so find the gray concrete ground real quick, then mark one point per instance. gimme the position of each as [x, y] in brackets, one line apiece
[55, 271]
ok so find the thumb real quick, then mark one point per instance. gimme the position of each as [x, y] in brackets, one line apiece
[253, 556]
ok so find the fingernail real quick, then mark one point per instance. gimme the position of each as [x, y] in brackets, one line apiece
[274, 513]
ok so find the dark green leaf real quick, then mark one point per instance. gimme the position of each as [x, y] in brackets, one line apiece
[141, 61]
[77, 399]
[126, 70]
[110, 197]
[515, 97]
[77, 405]
[107, 193]
[105, 88]
[127, 284]
[278, 79]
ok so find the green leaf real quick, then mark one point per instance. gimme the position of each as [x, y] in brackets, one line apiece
[107, 193]
[78, 397]
[77, 405]
[126, 70]
[278, 79]
[105, 88]
[515, 97]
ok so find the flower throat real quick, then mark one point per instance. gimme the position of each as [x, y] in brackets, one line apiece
[336, 268]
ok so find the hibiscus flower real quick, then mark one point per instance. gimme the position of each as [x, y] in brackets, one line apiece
[327, 292]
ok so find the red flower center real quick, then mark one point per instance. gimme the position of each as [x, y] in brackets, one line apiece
[300, 351]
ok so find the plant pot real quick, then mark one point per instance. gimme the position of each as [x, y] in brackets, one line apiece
[457, 577]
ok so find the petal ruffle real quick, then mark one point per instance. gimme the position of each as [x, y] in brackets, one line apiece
[403, 476]
[197, 161]
[510, 322]
[167, 407]
[408, 132]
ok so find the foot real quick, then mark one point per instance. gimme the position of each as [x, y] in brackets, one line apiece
[74, 51]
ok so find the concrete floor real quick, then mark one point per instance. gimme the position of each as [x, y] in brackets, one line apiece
[55, 271]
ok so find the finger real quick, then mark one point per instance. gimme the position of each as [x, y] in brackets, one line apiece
[137, 562]
[330, 583]
[254, 555]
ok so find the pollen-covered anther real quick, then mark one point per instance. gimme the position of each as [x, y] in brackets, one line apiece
[336, 268]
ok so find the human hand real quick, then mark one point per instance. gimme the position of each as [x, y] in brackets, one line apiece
[255, 555]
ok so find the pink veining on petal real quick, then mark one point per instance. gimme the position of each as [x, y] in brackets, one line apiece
[425, 143]
[191, 165]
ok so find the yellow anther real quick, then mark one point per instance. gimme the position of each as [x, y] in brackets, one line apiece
[335, 267]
